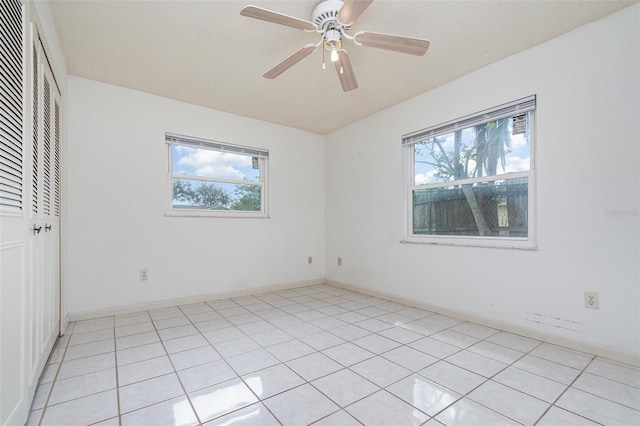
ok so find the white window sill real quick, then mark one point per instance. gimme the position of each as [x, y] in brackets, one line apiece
[502, 243]
[217, 213]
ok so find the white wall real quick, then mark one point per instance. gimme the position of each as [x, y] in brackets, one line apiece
[588, 114]
[116, 191]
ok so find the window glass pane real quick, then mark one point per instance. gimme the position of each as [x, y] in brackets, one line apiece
[494, 208]
[489, 149]
[214, 164]
[197, 194]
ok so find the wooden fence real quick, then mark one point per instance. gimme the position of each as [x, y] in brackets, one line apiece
[446, 211]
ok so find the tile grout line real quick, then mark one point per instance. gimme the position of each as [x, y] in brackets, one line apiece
[259, 400]
[340, 408]
[348, 368]
[115, 354]
[553, 404]
[88, 356]
[306, 382]
[439, 359]
[228, 365]
[55, 377]
[584, 371]
[120, 414]
[494, 375]
[283, 363]
[486, 379]
[186, 394]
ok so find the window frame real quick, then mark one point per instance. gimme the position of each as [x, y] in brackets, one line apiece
[172, 139]
[408, 146]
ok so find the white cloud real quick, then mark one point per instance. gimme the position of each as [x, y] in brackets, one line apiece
[516, 164]
[212, 163]
[518, 142]
[423, 178]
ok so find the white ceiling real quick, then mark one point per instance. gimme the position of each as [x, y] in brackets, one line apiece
[205, 53]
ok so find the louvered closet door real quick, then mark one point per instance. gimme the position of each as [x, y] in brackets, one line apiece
[14, 221]
[44, 288]
[30, 148]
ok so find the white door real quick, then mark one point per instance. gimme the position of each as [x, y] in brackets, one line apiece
[44, 270]
[14, 222]
[29, 212]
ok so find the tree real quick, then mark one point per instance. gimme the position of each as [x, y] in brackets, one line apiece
[493, 142]
[206, 195]
[210, 196]
[248, 198]
[182, 191]
[474, 159]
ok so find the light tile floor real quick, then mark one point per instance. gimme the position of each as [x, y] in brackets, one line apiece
[326, 356]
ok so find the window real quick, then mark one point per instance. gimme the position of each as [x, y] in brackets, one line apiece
[470, 181]
[208, 178]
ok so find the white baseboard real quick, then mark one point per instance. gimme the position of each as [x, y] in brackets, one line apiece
[160, 304]
[64, 324]
[590, 348]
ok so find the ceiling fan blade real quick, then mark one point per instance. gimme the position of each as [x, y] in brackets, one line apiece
[345, 72]
[290, 61]
[412, 46]
[277, 18]
[352, 9]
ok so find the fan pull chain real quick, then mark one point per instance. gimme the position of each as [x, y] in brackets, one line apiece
[323, 65]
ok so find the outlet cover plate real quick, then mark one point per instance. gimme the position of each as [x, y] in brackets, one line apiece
[591, 300]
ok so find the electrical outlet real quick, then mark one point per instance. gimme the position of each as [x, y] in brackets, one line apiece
[591, 300]
[144, 275]
[309, 260]
[339, 261]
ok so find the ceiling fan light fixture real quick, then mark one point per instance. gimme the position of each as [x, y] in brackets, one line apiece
[333, 43]
[334, 54]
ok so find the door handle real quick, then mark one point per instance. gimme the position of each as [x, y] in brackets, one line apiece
[36, 230]
[47, 227]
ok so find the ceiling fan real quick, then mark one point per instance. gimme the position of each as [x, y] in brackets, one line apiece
[332, 19]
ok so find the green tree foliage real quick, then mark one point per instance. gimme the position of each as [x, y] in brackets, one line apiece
[206, 195]
[212, 197]
[248, 198]
[183, 191]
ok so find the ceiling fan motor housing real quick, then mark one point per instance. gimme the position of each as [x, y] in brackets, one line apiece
[325, 15]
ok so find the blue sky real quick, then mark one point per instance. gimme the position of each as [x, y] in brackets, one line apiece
[204, 162]
[517, 160]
